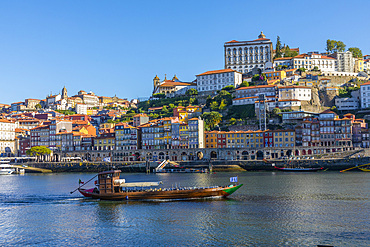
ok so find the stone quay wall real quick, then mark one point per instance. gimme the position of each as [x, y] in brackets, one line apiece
[331, 164]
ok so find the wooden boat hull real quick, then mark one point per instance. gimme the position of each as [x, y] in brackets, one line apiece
[175, 194]
[286, 169]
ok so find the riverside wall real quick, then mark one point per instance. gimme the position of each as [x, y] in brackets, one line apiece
[214, 165]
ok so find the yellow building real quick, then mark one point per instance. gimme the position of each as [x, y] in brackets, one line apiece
[185, 113]
[105, 141]
[359, 64]
[107, 125]
[210, 138]
[244, 139]
[184, 135]
[275, 75]
[284, 138]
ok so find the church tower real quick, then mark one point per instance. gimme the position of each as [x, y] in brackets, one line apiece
[64, 93]
[262, 36]
[156, 82]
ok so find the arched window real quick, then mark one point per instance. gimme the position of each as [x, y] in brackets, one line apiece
[256, 49]
[234, 51]
[245, 50]
[229, 51]
[240, 51]
[240, 58]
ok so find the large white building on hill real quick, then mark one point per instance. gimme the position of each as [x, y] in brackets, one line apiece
[217, 79]
[243, 56]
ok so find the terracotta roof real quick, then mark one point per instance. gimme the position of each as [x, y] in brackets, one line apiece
[169, 83]
[233, 41]
[306, 55]
[282, 87]
[283, 58]
[218, 71]
[328, 111]
[366, 83]
[254, 87]
[140, 115]
[261, 39]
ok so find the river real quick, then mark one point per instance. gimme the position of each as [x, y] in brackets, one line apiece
[271, 209]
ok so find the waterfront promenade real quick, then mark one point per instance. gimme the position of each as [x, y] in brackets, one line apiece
[334, 164]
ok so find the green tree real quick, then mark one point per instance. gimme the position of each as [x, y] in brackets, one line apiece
[276, 112]
[232, 121]
[278, 52]
[214, 105]
[289, 53]
[171, 106]
[159, 95]
[330, 45]
[222, 105]
[211, 119]
[191, 91]
[38, 151]
[165, 109]
[208, 100]
[192, 101]
[340, 46]
[229, 88]
[356, 52]
[302, 69]
[244, 84]
[315, 68]
[38, 106]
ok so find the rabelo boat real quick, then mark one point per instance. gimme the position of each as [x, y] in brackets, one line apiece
[109, 186]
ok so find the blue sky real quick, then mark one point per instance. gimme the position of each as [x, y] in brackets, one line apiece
[117, 47]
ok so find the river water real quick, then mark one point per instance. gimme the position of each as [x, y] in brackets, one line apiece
[271, 209]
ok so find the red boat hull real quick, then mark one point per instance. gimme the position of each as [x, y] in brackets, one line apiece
[86, 192]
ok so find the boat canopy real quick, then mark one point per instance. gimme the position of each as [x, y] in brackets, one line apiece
[5, 166]
[138, 184]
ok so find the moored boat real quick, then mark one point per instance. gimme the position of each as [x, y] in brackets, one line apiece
[6, 169]
[299, 169]
[111, 187]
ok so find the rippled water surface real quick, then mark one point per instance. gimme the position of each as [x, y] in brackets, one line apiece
[271, 209]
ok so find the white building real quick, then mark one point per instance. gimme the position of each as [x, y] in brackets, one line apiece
[7, 136]
[50, 100]
[217, 79]
[81, 109]
[243, 56]
[294, 92]
[365, 95]
[347, 104]
[267, 90]
[283, 61]
[344, 61]
[172, 88]
[250, 100]
[311, 60]
[281, 104]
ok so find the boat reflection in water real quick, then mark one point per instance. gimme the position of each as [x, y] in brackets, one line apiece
[110, 187]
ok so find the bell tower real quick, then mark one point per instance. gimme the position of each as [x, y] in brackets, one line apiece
[64, 93]
[156, 81]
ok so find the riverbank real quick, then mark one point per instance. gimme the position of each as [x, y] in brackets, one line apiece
[213, 165]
